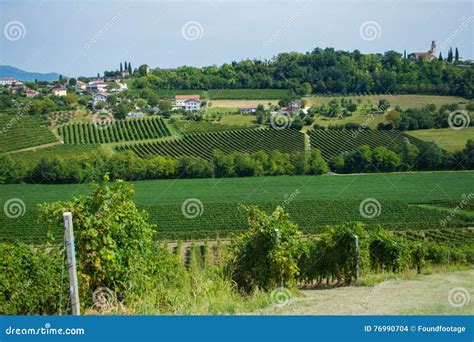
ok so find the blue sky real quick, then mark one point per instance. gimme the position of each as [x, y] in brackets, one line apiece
[85, 37]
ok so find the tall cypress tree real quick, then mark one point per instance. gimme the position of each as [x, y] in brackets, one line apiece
[456, 55]
[129, 68]
[404, 54]
[121, 67]
[450, 55]
[440, 57]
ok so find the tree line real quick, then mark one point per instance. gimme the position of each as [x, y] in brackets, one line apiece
[128, 166]
[322, 72]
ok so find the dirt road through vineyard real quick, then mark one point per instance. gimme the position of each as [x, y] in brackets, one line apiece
[441, 293]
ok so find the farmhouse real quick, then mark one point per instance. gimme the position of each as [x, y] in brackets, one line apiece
[59, 91]
[9, 81]
[190, 103]
[430, 54]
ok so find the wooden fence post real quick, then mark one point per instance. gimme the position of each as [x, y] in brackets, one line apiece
[356, 256]
[71, 261]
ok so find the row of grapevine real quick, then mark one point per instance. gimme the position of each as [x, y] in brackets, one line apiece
[19, 132]
[203, 144]
[224, 218]
[451, 237]
[113, 132]
[335, 142]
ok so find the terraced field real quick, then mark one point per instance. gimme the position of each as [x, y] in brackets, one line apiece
[113, 132]
[19, 132]
[333, 142]
[203, 144]
[312, 202]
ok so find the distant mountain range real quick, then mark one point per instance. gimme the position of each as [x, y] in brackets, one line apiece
[25, 76]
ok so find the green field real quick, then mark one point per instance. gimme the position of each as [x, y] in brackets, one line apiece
[312, 202]
[404, 101]
[187, 127]
[450, 139]
[248, 94]
[19, 132]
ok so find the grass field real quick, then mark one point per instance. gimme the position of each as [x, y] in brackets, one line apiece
[450, 139]
[404, 101]
[311, 201]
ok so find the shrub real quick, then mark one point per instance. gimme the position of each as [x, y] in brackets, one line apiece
[388, 252]
[332, 257]
[114, 241]
[30, 281]
[267, 254]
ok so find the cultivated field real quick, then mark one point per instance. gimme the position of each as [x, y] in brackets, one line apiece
[333, 142]
[203, 144]
[22, 132]
[312, 201]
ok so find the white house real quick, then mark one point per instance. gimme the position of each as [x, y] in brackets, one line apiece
[189, 103]
[97, 97]
[192, 105]
[97, 86]
[9, 81]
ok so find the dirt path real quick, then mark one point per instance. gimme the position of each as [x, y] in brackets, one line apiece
[34, 148]
[427, 295]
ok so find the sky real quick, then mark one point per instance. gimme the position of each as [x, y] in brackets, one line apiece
[83, 38]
